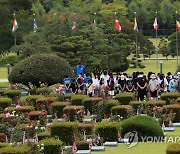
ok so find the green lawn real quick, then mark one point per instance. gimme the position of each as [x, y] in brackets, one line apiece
[3, 73]
[141, 148]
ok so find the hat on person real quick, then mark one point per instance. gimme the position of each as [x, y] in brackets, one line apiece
[175, 77]
[122, 77]
[178, 73]
[153, 76]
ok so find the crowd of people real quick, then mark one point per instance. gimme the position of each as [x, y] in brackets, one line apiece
[108, 85]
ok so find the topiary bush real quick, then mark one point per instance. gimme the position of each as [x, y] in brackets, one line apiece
[125, 98]
[74, 112]
[5, 102]
[51, 146]
[43, 91]
[175, 108]
[2, 145]
[68, 96]
[78, 99]
[170, 96]
[12, 93]
[137, 104]
[86, 127]
[36, 115]
[31, 99]
[124, 111]
[22, 109]
[91, 103]
[107, 130]
[15, 150]
[58, 107]
[65, 131]
[43, 135]
[46, 68]
[82, 145]
[144, 126]
[173, 148]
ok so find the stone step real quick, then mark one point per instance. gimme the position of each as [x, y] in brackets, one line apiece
[169, 129]
[113, 144]
[98, 148]
[176, 124]
[83, 152]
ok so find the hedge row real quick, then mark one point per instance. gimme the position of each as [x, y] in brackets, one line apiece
[78, 99]
[125, 98]
[108, 105]
[168, 97]
[173, 148]
[23, 109]
[58, 107]
[5, 102]
[43, 135]
[15, 150]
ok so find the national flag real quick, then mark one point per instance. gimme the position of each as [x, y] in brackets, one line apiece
[119, 136]
[7, 139]
[90, 143]
[155, 24]
[74, 29]
[177, 26]
[56, 117]
[35, 25]
[62, 151]
[94, 24]
[137, 112]
[154, 115]
[36, 139]
[117, 25]
[74, 148]
[84, 136]
[98, 139]
[95, 122]
[170, 123]
[163, 126]
[24, 138]
[88, 113]
[135, 25]
[15, 25]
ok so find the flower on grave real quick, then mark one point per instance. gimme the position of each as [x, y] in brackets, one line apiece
[18, 106]
[64, 115]
[8, 115]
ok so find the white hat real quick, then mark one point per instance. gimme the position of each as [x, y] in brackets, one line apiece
[153, 76]
[122, 77]
[178, 73]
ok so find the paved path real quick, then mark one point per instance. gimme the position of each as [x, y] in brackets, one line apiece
[4, 80]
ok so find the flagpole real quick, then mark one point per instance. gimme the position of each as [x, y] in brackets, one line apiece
[136, 44]
[156, 46]
[14, 33]
[177, 52]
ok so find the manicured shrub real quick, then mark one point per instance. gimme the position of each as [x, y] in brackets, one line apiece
[82, 145]
[43, 135]
[124, 111]
[2, 145]
[107, 130]
[12, 93]
[58, 107]
[173, 148]
[168, 97]
[31, 99]
[178, 100]
[51, 146]
[23, 109]
[45, 68]
[175, 108]
[108, 105]
[78, 99]
[35, 115]
[44, 91]
[87, 128]
[137, 104]
[65, 131]
[68, 96]
[125, 98]
[15, 150]
[91, 103]
[144, 126]
[5, 102]
[74, 112]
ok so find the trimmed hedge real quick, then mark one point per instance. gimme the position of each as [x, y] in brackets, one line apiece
[175, 108]
[68, 96]
[137, 104]
[78, 99]
[122, 110]
[5, 102]
[144, 126]
[31, 99]
[2, 145]
[108, 105]
[125, 98]
[178, 100]
[58, 107]
[72, 112]
[87, 127]
[168, 97]
[23, 109]
[65, 131]
[173, 148]
[35, 115]
[51, 146]
[43, 135]
[43, 91]
[91, 103]
[107, 130]
[82, 145]
[15, 150]
[12, 93]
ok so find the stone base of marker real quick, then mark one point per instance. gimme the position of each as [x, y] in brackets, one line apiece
[98, 148]
[176, 124]
[169, 129]
[123, 140]
[112, 144]
[83, 152]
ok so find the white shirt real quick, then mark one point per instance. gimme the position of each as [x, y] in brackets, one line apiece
[106, 78]
[96, 82]
[165, 83]
[153, 84]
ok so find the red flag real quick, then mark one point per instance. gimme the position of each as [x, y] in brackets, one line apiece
[117, 25]
[163, 126]
[155, 24]
[98, 139]
[90, 144]
[88, 113]
[36, 139]
[24, 138]
[170, 123]
[7, 139]
[84, 136]
[62, 151]
[95, 122]
[74, 148]
[119, 136]
[74, 29]
[177, 26]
